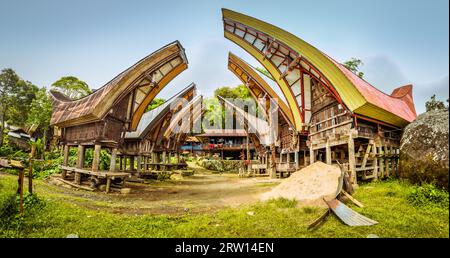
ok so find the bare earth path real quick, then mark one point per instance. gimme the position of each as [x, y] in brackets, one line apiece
[205, 191]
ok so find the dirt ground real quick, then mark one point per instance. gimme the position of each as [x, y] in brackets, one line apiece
[202, 192]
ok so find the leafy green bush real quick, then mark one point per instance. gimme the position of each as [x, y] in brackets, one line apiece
[428, 194]
[10, 152]
[9, 208]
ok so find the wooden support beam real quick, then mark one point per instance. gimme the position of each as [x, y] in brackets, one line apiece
[272, 168]
[80, 163]
[20, 189]
[351, 160]
[65, 160]
[30, 169]
[312, 155]
[328, 153]
[96, 157]
[139, 163]
[112, 164]
[387, 154]
[375, 161]
[132, 163]
[366, 155]
[382, 159]
[108, 184]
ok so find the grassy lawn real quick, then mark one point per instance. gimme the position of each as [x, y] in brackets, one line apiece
[385, 202]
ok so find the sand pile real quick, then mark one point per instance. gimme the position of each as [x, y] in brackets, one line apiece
[309, 185]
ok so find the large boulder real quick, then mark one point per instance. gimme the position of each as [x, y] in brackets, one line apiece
[424, 149]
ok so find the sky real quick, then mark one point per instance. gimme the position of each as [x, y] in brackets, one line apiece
[400, 42]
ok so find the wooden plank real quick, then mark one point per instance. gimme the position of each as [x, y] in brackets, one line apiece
[20, 190]
[366, 156]
[30, 169]
[356, 202]
[96, 173]
[75, 185]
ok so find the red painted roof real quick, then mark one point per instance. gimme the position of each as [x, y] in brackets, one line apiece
[399, 103]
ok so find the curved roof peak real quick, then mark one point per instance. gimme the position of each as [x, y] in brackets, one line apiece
[359, 96]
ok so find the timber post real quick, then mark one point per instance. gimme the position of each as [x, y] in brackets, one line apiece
[80, 163]
[351, 159]
[375, 161]
[20, 189]
[311, 155]
[30, 169]
[138, 160]
[96, 158]
[112, 163]
[65, 160]
[328, 152]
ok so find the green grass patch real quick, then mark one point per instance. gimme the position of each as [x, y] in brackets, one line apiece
[387, 202]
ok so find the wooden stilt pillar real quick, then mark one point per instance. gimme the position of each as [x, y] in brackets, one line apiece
[272, 165]
[112, 163]
[65, 160]
[164, 157]
[328, 153]
[305, 160]
[312, 155]
[132, 168]
[351, 160]
[388, 160]
[145, 163]
[30, 169]
[139, 160]
[296, 160]
[375, 161]
[96, 158]
[80, 163]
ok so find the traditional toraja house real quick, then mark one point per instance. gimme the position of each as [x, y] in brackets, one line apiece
[224, 143]
[338, 115]
[286, 141]
[185, 123]
[148, 144]
[102, 119]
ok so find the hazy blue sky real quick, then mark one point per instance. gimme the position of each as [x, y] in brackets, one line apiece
[399, 42]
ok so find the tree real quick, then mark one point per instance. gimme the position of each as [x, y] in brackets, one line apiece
[72, 87]
[434, 104]
[24, 93]
[238, 92]
[353, 65]
[264, 71]
[8, 81]
[41, 112]
[156, 102]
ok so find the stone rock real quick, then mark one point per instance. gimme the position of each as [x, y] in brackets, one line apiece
[424, 148]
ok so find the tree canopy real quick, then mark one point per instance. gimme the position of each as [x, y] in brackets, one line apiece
[238, 92]
[16, 96]
[434, 104]
[353, 65]
[156, 102]
[72, 87]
